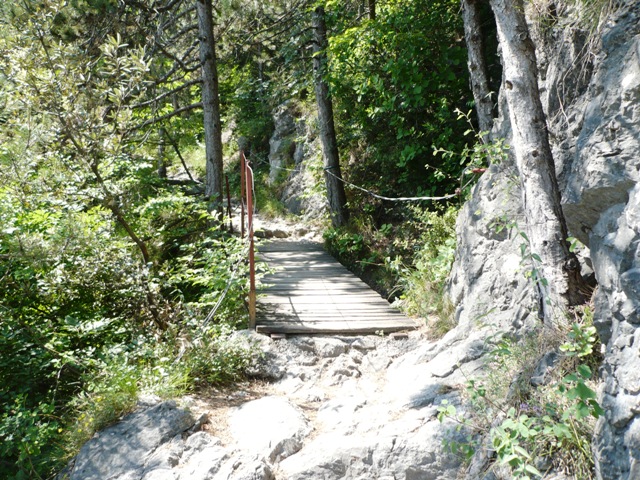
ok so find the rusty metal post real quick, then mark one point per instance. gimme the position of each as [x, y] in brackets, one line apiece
[226, 179]
[243, 167]
[252, 262]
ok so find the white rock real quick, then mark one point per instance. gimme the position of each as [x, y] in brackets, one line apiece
[270, 426]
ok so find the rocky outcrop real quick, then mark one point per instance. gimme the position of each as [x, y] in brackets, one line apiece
[295, 158]
[283, 142]
[590, 80]
[339, 408]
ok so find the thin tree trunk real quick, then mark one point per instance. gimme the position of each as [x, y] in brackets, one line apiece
[176, 148]
[211, 106]
[162, 161]
[557, 273]
[477, 63]
[372, 9]
[335, 187]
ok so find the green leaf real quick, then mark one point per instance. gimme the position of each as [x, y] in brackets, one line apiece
[532, 470]
[583, 392]
[522, 452]
[584, 371]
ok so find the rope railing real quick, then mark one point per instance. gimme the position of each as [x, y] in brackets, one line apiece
[234, 270]
[391, 199]
[401, 199]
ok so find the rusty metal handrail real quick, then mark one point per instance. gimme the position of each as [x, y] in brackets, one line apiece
[246, 191]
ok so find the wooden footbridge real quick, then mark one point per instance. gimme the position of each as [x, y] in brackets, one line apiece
[310, 292]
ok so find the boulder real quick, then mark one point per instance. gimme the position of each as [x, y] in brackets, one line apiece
[122, 450]
[271, 427]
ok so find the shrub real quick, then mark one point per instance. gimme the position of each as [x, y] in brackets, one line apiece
[424, 281]
[538, 428]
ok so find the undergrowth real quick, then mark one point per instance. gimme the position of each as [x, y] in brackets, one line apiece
[423, 282]
[81, 331]
[408, 261]
[537, 403]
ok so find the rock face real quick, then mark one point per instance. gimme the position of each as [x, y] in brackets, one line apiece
[591, 89]
[295, 157]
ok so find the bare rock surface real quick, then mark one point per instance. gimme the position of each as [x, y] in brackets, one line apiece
[294, 152]
[122, 451]
[337, 408]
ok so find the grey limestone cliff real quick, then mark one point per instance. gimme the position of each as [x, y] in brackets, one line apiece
[590, 81]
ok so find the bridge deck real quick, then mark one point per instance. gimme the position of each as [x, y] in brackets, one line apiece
[310, 292]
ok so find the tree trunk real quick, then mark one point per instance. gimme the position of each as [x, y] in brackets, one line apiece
[162, 161]
[477, 63]
[557, 272]
[210, 105]
[372, 9]
[335, 187]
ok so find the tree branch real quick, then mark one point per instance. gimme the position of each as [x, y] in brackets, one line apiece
[166, 94]
[151, 121]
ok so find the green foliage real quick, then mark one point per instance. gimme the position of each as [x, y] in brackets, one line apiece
[250, 104]
[395, 83]
[218, 359]
[424, 281]
[87, 323]
[109, 393]
[581, 340]
[481, 153]
[346, 246]
[30, 438]
[549, 425]
[201, 274]
[508, 439]
[267, 195]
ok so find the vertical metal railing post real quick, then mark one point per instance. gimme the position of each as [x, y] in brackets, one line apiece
[252, 263]
[226, 180]
[242, 185]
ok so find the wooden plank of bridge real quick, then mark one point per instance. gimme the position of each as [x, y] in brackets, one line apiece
[311, 293]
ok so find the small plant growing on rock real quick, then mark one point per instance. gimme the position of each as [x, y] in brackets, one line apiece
[534, 430]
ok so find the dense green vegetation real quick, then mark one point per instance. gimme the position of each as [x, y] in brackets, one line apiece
[107, 270]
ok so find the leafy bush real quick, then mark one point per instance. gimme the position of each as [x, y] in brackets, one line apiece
[392, 108]
[217, 357]
[538, 429]
[106, 270]
[424, 281]
[30, 438]
[77, 331]
[345, 245]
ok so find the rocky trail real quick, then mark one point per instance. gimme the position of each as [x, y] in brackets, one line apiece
[360, 407]
[323, 408]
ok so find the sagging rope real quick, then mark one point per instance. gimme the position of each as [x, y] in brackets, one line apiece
[400, 199]
[213, 311]
[382, 197]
